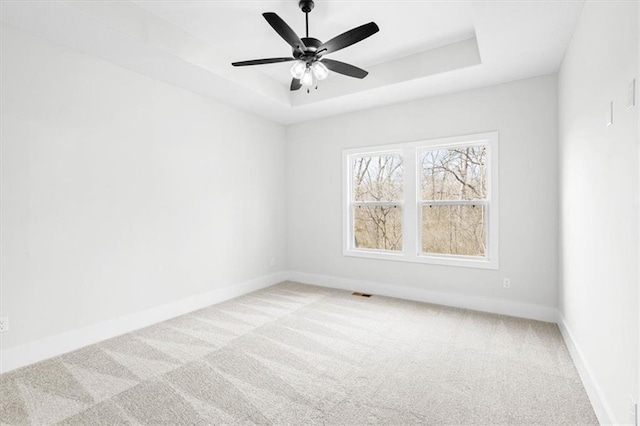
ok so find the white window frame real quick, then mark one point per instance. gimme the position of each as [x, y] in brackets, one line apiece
[411, 206]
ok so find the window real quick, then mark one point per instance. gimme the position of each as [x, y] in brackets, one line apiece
[453, 200]
[378, 187]
[430, 201]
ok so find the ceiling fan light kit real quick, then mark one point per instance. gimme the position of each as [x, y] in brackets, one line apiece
[320, 70]
[298, 69]
[306, 73]
[310, 66]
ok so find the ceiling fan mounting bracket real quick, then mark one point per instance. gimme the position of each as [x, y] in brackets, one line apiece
[306, 5]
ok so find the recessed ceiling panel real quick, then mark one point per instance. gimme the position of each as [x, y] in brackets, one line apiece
[423, 48]
[238, 27]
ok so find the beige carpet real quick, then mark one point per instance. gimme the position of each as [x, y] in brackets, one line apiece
[296, 354]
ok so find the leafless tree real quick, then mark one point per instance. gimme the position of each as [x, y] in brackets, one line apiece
[454, 175]
[378, 179]
[450, 179]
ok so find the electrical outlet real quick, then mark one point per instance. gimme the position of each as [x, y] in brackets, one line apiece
[272, 262]
[506, 283]
[4, 324]
[631, 94]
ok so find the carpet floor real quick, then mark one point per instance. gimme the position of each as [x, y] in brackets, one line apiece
[298, 354]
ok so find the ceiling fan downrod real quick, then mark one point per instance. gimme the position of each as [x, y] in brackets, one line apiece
[306, 6]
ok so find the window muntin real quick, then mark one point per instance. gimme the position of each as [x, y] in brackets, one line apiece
[471, 214]
[454, 198]
[376, 202]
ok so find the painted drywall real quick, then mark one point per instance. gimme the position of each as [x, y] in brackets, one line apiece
[599, 193]
[121, 193]
[525, 115]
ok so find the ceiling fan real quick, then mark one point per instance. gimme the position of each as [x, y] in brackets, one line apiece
[308, 52]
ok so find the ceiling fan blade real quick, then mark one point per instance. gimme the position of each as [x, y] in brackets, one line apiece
[295, 84]
[261, 61]
[347, 39]
[343, 68]
[284, 30]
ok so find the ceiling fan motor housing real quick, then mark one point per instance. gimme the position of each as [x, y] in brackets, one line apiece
[306, 5]
[309, 55]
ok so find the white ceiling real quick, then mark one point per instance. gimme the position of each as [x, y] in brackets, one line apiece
[424, 48]
[409, 31]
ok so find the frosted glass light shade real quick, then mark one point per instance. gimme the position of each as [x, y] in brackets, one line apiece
[320, 70]
[307, 78]
[298, 69]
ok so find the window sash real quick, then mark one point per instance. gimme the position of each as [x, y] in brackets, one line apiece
[352, 221]
[352, 175]
[422, 149]
[487, 240]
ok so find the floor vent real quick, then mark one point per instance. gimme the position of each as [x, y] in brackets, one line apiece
[361, 294]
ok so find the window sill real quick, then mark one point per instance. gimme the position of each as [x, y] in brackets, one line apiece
[463, 262]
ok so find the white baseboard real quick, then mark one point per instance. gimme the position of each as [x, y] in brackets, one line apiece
[598, 401]
[49, 347]
[40, 350]
[496, 306]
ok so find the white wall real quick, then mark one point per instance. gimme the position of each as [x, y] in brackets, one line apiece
[525, 115]
[599, 209]
[121, 193]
